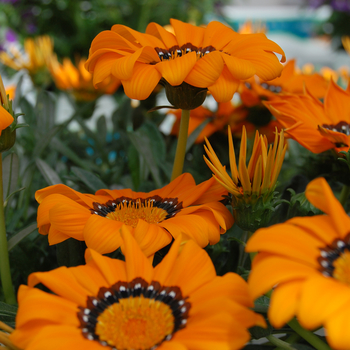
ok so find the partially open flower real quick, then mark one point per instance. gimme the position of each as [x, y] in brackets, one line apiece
[78, 81]
[112, 304]
[252, 187]
[214, 58]
[307, 262]
[155, 218]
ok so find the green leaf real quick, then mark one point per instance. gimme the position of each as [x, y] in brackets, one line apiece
[10, 168]
[45, 113]
[8, 313]
[50, 175]
[89, 179]
[21, 235]
[101, 130]
[193, 136]
[143, 145]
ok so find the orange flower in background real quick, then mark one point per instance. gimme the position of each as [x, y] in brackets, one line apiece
[292, 80]
[36, 58]
[181, 207]
[214, 58]
[307, 262]
[112, 304]
[217, 119]
[78, 80]
[315, 125]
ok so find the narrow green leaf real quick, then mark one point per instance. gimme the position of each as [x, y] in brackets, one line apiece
[143, 145]
[50, 175]
[21, 235]
[10, 168]
[89, 179]
[194, 134]
[8, 313]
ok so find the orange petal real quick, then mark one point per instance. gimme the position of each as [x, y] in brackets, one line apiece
[174, 71]
[6, 119]
[113, 270]
[206, 71]
[224, 87]
[284, 302]
[239, 68]
[102, 234]
[104, 65]
[137, 265]
[187, 33]
[218, 35]
[162, 34]
[144, 79]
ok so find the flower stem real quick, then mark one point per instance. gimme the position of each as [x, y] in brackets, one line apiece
[5, 272]
[344, 194]
[181, 145]
[310, 337]
[279, 343]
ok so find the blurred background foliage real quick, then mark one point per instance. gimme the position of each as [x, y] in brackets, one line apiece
[73, 24]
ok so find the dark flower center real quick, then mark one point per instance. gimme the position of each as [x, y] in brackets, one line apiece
[342, 127]
[177, 51]
[272, 88]
[152, 209]
[135, 315]
[335, 259]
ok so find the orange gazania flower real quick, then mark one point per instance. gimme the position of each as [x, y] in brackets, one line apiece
[78, 80]
[112, 304]
[292, 80]
[155, 217]
[315, 125]
[214, 58]
[307, 262]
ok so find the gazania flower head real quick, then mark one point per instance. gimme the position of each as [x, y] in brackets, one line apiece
[188, 62]
[252, 187]
[112, 304]
[315, 125]
[307, 262]
[154, 218]
[78, 81]
[36, 59]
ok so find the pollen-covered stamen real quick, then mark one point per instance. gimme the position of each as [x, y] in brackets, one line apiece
[272, 88]
[342, 127]
[152, 209]
[335, 260]
[177, 51]
[134, 315]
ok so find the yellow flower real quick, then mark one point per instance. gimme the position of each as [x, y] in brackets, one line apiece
[113, 304]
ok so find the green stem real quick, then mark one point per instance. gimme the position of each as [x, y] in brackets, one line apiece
[5, 272]
[279, 343]
[310, 337]
[344, 194]
[181, 145]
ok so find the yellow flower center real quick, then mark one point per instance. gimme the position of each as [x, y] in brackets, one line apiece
[131, 212]
[135, 323]
[152, 210]
[342, 267]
